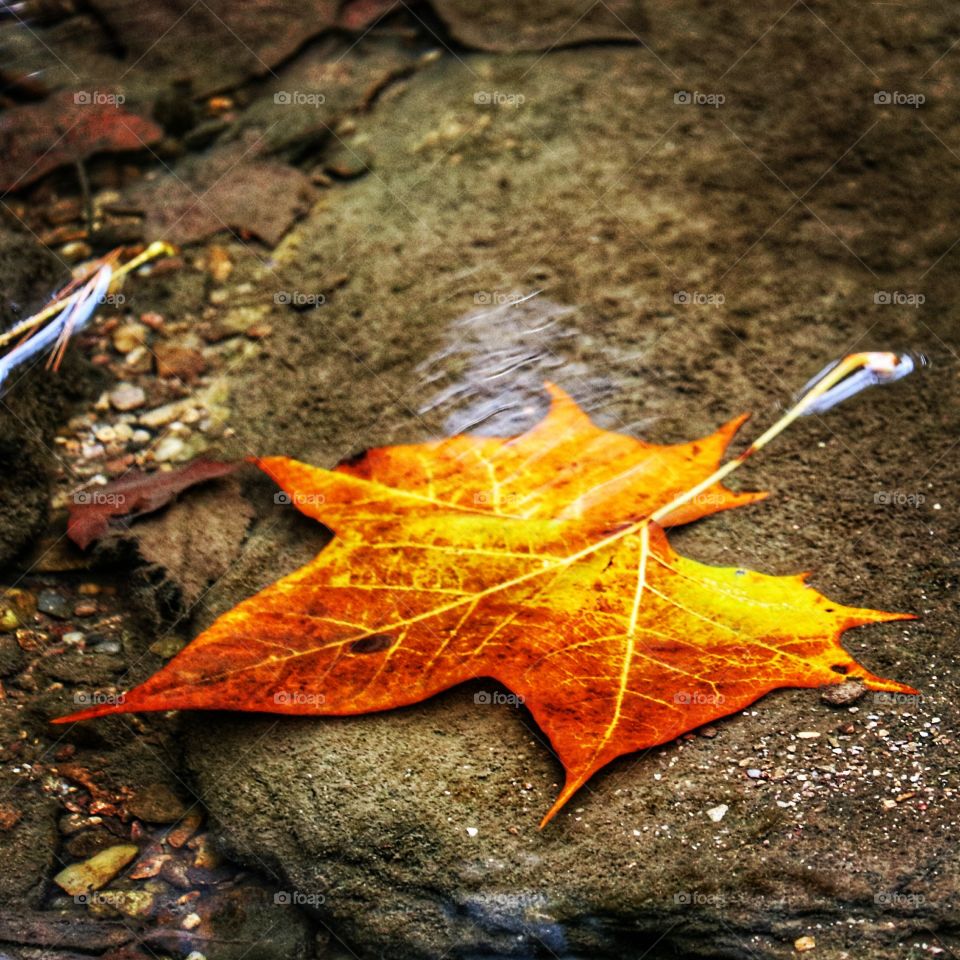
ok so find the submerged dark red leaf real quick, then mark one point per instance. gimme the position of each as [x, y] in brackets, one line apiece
[69, 126]
[137, 493]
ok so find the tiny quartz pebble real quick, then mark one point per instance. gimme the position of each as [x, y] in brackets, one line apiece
[717, 813]
[472, 831]
[127, 396]
[807, 735]
[129, 336]
[169, 448]
[803, 944]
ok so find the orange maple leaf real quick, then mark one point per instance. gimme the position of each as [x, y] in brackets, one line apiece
[530, 560]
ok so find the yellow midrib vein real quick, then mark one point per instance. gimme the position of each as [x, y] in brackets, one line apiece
[630, 642]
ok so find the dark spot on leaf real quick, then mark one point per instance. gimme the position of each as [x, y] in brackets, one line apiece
[375, 643]
[839, 668]
[353, 459]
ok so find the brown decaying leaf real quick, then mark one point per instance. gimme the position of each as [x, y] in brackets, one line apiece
[229, 188]
[530, 560]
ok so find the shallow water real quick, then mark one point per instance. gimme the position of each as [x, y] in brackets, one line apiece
[669, 262]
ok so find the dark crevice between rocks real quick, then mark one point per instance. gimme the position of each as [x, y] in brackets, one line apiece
[34, 401]
[113, 45]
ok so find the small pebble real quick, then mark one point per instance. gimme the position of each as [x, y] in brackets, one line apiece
[17, 609]
[107, 646]
[843, 694]
[184, 363]
[190, 921]
[105, 433]
[133, 903]
[129, 336]
[92, 874]
[807, 735]
[219, 264]
[803, 944]
[127, 396]
[717, 813]
[54, 605]
[118, 466]
[754, 773]
[76, 250]
[472, 831]
[139, 360]
[169, 448]
[73, 637]
[184, 830]
[161, 416]
[92, 451]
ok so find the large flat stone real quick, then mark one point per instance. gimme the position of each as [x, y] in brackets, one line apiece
[418, 827]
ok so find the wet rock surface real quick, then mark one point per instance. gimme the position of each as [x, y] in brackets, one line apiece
[419, 827]
[510, 27]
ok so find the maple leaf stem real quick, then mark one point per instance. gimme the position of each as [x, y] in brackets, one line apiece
[883, 363]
